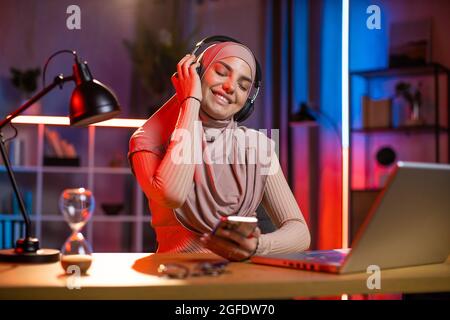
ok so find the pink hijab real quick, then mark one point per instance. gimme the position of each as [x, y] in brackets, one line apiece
[220, 188]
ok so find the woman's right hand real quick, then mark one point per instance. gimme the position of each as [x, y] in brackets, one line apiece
[187, 81]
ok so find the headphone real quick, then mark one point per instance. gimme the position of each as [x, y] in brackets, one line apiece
[248, 107]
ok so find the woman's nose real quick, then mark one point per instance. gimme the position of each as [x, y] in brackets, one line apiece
[229, 86]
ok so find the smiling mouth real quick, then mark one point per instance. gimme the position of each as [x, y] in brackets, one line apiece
[220, 99]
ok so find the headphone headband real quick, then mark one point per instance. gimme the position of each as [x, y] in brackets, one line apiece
[221, 38]
[210, 39]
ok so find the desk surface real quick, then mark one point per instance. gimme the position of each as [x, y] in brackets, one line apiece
[134, 276]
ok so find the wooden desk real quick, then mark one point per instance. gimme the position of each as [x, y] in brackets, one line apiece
[134, 276]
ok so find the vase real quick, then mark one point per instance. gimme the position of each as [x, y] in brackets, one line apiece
[414, 118]
[400, 113]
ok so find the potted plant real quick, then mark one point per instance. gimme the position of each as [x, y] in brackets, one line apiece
[155, 53]
[26, 83]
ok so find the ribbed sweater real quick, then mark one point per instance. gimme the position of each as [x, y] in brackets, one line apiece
[166, 185]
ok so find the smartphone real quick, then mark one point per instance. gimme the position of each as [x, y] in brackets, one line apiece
[243, 225]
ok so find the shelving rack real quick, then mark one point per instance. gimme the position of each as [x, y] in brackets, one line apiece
[439, 128]
[137, 217]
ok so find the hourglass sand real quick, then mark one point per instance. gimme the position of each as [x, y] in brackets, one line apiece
[77, 206]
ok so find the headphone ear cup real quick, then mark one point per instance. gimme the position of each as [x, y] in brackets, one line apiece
[245, 112]
[200, 67]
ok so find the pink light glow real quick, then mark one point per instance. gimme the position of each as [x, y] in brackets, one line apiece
[64, 121]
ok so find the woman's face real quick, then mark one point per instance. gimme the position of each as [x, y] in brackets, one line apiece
[225, 87]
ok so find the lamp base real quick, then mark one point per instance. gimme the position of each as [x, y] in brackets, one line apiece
[40, 256]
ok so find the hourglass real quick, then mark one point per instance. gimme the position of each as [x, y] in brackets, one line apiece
[77, 206]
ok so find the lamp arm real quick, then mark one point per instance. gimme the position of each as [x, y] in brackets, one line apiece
[58, 81]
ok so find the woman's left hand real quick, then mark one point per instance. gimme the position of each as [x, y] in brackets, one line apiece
[232, 245]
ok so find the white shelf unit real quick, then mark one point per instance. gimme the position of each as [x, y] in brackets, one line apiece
[37, 171]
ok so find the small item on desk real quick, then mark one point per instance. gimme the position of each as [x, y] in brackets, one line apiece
[182, 271]
[77, 206]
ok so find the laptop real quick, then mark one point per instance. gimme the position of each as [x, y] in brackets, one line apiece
[408, 225]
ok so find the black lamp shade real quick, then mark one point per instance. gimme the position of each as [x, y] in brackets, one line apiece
[92, 102]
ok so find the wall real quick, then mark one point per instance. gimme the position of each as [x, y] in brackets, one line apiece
[32, 30]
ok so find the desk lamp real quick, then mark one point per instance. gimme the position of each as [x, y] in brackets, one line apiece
[91, 102]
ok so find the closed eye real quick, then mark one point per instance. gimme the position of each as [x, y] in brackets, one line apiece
[221, 71]
[243, 88]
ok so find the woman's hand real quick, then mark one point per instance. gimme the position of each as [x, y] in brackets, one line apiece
[232, 245]
[187, 81]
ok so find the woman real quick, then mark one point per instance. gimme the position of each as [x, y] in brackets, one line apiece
[188, 198]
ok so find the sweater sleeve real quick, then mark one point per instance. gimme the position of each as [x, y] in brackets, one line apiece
[167, 181]
[292, 234]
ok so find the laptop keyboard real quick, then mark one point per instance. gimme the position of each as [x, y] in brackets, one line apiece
[329, 256]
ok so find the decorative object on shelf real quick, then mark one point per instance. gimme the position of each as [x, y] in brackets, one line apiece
[26, 82]
[385, 157]
[410, 43]
[62, 152]
[414, 98]
[91, 102]
[376, 113]
[16, 151]
[77, 206]
[61, 148]
[112, 209]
